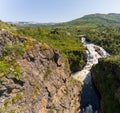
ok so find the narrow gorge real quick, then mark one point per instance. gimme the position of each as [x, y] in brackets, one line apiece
[58, 70]
[90, 100]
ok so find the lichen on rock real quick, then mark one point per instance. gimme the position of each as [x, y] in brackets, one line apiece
[43, 86]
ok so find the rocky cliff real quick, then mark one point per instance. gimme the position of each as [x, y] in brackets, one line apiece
[34, 78]
[106, 76]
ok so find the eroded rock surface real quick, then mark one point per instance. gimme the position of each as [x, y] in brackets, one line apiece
[44, 85]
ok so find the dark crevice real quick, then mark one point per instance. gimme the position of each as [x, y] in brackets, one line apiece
[64, 80]
[48, 92]
[56, 59]
[2, 92]
[16, 81]
[20, 82]
[32, 59]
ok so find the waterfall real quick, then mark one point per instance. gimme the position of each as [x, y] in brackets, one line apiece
[89, 97]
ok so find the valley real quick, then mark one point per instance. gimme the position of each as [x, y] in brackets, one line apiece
[51, 69]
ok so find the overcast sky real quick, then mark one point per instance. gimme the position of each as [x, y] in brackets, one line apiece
[54, 10]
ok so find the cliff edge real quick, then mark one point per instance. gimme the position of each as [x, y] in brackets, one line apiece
[34, 78]
[106, 76]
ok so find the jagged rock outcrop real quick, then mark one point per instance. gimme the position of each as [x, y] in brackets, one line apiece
[42, 85]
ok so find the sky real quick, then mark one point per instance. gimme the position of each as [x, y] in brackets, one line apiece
[54, 10]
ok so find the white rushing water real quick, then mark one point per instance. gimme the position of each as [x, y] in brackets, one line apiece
[94, 52]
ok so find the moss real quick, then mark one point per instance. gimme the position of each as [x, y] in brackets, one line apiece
[51, 111]
[37, 88]
[36, 91]
[48, 71]
[1, 81]
[66, 91]
[6, 103]
[73, 81]
[29, 44]
[44, 46]
[17, 97]
[14, 111]
[11, 101]
[65, 60]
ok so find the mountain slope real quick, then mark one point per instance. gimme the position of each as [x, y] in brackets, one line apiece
[92, 19]
[95, 19]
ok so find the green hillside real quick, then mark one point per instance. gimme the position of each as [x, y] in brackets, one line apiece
[87, 20]
[95, 19]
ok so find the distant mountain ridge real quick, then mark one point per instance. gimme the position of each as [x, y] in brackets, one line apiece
[30, 23]
[91, 19]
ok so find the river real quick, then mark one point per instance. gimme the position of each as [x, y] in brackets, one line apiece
[90, 100]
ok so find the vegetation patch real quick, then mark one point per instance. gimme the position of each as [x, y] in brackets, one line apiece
[73, 81]
[9, 66]
[107, 83]
[63, 39]
[17, 97]
[48, 71]
[14, 50]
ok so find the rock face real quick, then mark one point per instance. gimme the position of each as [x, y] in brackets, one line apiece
[106, 78]
[44, 85]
